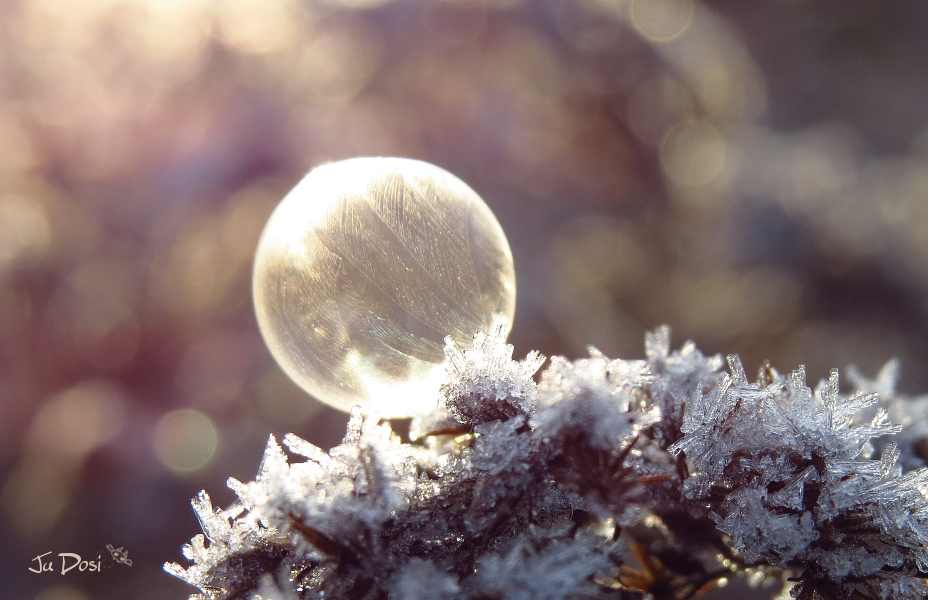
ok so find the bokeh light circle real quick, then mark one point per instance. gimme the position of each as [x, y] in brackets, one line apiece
[185, 440]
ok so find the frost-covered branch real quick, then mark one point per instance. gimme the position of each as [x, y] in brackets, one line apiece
[607, 479]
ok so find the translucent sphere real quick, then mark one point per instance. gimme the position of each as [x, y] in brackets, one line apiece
[365, 267]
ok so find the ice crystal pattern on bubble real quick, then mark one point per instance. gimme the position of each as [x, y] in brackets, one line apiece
[628, 479]
[365, 267]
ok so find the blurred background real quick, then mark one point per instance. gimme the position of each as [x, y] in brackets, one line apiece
[753, 174]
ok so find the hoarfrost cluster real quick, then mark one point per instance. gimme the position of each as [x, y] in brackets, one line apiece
[627, 479]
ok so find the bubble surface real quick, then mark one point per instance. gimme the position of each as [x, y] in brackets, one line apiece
[365, 267]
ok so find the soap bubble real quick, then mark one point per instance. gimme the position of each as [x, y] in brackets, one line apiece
[365, 267]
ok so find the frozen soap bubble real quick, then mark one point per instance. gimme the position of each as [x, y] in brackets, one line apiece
[365, 267]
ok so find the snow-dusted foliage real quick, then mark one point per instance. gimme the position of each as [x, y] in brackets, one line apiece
[627, 479]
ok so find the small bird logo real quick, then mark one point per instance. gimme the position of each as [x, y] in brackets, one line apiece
[119, 555]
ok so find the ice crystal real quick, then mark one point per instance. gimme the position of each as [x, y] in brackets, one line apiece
[485, 384]
[910, 413]
[547, 565]
[598, 398]
[608, 479]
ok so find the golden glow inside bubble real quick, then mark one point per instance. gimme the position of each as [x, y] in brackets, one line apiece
[365, 267]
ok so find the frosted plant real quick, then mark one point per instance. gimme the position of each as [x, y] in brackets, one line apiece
[630, 479]
[788, 476]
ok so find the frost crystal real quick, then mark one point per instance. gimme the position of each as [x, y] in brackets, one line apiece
[609, 479]
[485, 384]
[910, 413]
